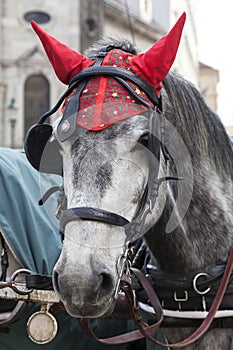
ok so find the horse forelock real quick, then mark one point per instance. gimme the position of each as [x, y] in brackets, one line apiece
[124, 45]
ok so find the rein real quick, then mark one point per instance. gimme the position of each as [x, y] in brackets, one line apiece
[134, 313]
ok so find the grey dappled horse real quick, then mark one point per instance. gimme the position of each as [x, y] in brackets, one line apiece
[190, 225]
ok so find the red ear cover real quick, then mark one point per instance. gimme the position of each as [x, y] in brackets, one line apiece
[154, 64]
[65, 61]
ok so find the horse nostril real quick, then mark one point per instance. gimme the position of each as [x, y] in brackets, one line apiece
[106, 282]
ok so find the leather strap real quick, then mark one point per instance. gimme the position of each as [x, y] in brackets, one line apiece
[4, 259]
[70, 114]
[39, 282]
[170, 282]
[89, 213]
[117, 72]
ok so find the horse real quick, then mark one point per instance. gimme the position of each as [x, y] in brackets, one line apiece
[142, 158]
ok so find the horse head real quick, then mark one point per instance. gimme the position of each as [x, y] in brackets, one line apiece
[107, 147]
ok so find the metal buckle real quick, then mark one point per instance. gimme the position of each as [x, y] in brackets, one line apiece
[185, 296]
[19, 288]
[195, 284]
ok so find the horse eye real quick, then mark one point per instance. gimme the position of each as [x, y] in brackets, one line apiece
[143, 140]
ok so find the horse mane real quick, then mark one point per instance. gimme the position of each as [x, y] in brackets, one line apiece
[210, 209]
[201, 129]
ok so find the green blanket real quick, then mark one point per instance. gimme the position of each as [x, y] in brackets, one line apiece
[31, 231]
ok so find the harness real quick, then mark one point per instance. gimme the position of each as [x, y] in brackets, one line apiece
[176, 293]
[186, 297]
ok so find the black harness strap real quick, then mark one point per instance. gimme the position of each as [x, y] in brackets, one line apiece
[88, 213]
[5, 305]
[70, 114]
[4, 259]
[117, 72]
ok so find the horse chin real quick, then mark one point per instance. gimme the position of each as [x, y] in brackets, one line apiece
[89, 310]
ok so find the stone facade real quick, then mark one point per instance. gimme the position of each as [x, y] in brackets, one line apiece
[209, 78]
[187, 60]
[77, 23]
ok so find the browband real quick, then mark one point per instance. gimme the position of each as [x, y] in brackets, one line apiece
[107, 71]
[118, 72]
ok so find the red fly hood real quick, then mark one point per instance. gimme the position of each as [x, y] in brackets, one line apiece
[108, 99]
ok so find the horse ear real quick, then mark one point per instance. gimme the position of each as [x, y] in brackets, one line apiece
[65, 61]
[155, 63]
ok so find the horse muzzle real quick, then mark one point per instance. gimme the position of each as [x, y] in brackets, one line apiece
[86, 280]
[87, 294]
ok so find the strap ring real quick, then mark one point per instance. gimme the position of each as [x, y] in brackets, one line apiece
[195, 284]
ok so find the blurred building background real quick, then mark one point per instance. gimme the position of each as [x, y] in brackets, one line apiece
[28, 85]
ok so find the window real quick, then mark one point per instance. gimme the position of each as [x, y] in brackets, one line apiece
[37, 16]
[36, 99]
[146, 10]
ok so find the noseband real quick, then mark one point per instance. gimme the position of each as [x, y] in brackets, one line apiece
[93, 214]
